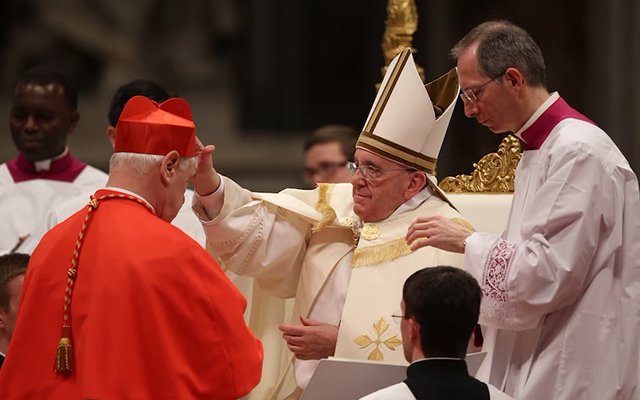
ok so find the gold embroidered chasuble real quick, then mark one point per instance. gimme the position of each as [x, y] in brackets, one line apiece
[322, 230]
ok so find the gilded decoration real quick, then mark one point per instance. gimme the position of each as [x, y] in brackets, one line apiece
[401, 24]
[365, 341]
[370, 231]
[494, 173]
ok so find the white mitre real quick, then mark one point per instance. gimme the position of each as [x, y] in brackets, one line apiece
[408, 120]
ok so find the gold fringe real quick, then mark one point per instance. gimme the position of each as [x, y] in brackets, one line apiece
[328, 213]
[380, 253]
[64, 356]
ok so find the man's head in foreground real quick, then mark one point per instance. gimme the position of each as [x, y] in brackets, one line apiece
[155, 151]
[440, 309]
[13, 268]
[43, 113]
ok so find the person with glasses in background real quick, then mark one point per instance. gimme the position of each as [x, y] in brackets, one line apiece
[327, 152]
[340, 249]
[562, 285]
[440, 308]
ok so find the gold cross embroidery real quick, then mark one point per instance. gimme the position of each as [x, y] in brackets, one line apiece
[365, 341]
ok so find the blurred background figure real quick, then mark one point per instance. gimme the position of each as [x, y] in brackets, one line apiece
[44, 173]
[13, 267]
[327, 152]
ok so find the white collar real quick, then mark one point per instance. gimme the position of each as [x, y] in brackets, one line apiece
[415, 201]
[552, 99]
[45, 165]
[125, 191]
[2, 354]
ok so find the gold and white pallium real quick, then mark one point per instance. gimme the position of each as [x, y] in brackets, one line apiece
[390, 342]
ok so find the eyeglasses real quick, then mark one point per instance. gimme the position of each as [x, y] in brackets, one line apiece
[471, 95]
[324, 169]
[398, 318]
[370, 172]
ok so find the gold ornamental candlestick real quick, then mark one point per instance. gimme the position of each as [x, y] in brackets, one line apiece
[401, 24]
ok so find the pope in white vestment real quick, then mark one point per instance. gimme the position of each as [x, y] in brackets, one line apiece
[280, 240]
[313, 246]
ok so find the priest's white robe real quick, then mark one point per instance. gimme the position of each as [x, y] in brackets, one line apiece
[300, 243]
[25, 202]
[562, 285]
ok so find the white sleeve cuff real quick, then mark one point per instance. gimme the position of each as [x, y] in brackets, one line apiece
[209, 207]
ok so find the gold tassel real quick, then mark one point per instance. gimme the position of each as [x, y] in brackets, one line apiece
[64, 356]
[328, 213]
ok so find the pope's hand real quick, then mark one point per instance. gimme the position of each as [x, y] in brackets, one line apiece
[439, 232]
[206, 180]
[312, 340]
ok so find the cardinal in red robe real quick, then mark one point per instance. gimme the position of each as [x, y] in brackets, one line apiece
[117, 303]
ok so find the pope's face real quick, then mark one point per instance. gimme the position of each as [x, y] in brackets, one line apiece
[375, 200]
[41, 120]
[493, 106]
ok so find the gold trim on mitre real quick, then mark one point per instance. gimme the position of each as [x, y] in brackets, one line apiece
[397, 153]
[388, 89]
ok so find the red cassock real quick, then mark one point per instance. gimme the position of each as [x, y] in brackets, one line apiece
[153, 316]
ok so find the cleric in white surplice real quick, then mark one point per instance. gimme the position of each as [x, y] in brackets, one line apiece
[561, 286]
[44, 174]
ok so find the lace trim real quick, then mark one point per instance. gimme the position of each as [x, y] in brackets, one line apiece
[495, 277]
